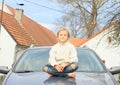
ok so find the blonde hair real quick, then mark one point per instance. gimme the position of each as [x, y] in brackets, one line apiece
[63, 29]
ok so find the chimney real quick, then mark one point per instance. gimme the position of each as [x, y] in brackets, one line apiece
[19, 15]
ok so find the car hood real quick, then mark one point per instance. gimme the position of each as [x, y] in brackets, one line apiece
[42, 78]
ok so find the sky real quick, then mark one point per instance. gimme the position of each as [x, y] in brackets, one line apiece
[44, 12]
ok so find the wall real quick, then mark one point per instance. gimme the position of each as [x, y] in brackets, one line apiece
[7, 46]
[104, 49]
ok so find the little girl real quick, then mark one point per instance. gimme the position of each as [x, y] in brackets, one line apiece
[63, 56]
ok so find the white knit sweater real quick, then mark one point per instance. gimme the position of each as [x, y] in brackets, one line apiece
[62, 53]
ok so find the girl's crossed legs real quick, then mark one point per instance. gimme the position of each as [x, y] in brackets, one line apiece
[68, 70]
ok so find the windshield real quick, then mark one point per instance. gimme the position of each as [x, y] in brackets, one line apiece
[89, 61]
[34, 60]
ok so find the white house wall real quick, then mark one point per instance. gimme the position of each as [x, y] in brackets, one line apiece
[7, 46]
[107, 52]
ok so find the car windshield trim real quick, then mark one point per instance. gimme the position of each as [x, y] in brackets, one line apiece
[25, 71]
[93, 71]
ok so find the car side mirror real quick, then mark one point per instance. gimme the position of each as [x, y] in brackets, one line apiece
[4, 69]
[115, 70]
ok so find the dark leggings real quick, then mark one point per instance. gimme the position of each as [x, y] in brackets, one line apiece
[67, 69]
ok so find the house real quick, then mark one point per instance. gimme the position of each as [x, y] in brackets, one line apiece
[77, 41]
[18, 32]
[102, 44]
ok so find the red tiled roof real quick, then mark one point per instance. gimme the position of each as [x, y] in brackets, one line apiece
[77, 41]
[29, 32]
[41, 35]
[15, 30]
[11, 9]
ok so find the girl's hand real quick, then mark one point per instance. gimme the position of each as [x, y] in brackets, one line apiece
[59, 68]
[63, 65]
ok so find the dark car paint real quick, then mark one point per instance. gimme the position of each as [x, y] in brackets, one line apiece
[42, 78]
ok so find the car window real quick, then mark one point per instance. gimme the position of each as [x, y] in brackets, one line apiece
[88, 61]
[35, 59]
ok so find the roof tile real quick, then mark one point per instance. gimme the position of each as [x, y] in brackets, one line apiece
[29, 32]
[77, 41]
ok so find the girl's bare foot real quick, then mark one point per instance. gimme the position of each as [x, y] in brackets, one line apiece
[45, 69]
[71, 75]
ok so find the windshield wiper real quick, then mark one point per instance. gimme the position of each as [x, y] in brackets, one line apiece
[25, 71]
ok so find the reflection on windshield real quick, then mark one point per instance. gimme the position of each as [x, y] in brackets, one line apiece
[88, 61]
[35, 59]
[32, 60]
[60, 81]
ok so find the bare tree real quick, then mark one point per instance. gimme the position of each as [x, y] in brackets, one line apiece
[115, 13]
[115, 33]
[113, 23]
[81, 14]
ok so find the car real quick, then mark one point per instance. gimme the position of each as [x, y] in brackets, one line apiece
[28, 70]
